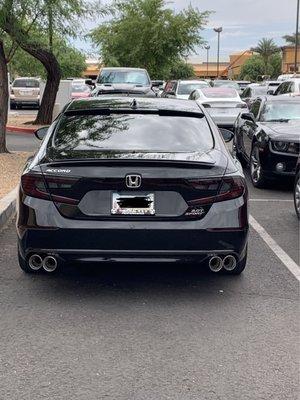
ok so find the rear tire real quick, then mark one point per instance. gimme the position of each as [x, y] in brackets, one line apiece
[297, 195]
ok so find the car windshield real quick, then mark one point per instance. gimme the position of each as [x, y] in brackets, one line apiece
[213, 93]
[280, 111]
[132, 76]
[80, 88]
[229, 84]
[259, 90]
[187, 88]
[26, 83]
[133, 132]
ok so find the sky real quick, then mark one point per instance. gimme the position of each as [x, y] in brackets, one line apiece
[244, 22]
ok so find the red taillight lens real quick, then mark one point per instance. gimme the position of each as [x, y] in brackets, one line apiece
[34, 185]
[230, 188]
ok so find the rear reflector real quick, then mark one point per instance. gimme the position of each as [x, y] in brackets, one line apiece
[34, 185]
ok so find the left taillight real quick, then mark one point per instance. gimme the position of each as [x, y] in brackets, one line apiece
[34, 185]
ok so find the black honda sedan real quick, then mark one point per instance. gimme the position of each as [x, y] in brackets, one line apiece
[268, 138]
[122, 179]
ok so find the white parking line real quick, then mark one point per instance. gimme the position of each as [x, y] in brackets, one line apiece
[293, 267]
[290, 201]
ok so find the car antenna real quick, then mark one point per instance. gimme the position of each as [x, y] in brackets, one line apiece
[133, 104]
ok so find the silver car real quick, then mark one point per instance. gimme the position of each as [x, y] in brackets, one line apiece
[25, 91]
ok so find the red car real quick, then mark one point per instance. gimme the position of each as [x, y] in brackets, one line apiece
[80, 91]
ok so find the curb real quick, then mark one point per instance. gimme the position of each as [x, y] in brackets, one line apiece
[8, 207]
[18, 129]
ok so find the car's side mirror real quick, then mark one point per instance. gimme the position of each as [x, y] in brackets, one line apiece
[248, 117]
[271, 92]
[41, 132]
[227, 134]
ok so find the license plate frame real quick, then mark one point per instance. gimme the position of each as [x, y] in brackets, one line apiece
[118, 209]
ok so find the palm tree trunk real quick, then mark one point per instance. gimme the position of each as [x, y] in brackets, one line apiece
[3, 99]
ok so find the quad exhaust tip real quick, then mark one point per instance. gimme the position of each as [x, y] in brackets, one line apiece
[35, 262]
[49, 264]
[215, 264]
[229, 263]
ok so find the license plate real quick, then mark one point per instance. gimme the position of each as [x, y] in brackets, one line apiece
[133, 204]
[26, 93]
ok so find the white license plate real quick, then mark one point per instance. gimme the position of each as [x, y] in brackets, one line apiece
[133, 204]
[26, 93]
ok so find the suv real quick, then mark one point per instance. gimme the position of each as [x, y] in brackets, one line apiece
[288, 87]
[124, 81]
[182, 89]
[25, 91]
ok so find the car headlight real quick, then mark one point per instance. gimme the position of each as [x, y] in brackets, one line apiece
[285, 147]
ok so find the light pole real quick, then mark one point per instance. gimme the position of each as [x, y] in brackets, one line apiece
[207, 47]
[218, 30]
[297, 34]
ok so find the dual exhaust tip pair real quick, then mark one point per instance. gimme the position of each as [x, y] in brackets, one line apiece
[48, 263]
[216, 263]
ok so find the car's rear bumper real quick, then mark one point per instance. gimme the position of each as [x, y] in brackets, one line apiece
[41, 229]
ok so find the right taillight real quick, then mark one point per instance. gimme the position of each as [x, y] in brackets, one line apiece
[229, 188]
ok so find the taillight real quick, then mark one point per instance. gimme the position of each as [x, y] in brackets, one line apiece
[34, 185]
[230, 188]
[11, 91]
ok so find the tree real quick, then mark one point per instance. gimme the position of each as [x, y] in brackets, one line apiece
[71, 61]
[254, 67]
[181, 70]
[291, 39]
[148, 34]
[266, 48]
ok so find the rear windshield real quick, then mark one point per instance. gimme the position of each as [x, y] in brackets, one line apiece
[80, 88]
[214, 93]
[26, 83]
[188, 88]
[259, 90]
[128, 132]
[229, 84]
[115, 76]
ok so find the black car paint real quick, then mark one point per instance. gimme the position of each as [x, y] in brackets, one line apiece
[252, 130]
[70, 232]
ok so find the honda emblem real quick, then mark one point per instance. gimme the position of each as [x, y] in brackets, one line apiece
[133, 181]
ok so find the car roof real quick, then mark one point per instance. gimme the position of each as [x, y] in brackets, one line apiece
[142, 103]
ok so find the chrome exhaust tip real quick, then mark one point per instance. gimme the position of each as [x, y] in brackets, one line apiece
[35, 262]
[50, 264]
[229, 263]
[215, 264]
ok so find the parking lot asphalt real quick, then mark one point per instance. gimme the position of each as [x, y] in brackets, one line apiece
[154, 331]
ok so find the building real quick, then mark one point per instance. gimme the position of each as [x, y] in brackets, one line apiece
[288, 59]
[229, 69]
[92, 68]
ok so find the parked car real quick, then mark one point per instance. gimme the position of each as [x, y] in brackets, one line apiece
[123, 81]
[132, 179]
[243, 85]
[252, 92]
[222, 103]
[271, 86]
[181, 89]
[285, 77]
[268, 138]
[80, 90]
[297, 189]
[226, 83]
[288, 87]
[25, 91]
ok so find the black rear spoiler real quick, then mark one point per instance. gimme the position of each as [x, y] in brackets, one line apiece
[109, 111]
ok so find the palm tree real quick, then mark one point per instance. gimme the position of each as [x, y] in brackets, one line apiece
[266, 48]
[291, 39]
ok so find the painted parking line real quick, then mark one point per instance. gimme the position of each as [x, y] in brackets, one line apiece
[291, 265]
[286, 200]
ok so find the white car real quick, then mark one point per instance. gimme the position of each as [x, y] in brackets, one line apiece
[181, 89]
[223, 104]
[288, 87]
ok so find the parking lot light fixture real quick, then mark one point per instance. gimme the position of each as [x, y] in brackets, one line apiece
[218, 30]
